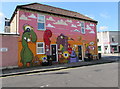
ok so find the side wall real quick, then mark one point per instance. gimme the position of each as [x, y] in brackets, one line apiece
[14, 24]
[9, 50]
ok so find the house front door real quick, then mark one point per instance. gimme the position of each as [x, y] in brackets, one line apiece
[54, 52]
[80, 52]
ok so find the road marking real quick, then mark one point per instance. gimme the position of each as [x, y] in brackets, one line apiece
[47, 85]
[50, 71]
[41, 86]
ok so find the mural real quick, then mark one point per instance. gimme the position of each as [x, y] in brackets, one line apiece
[26, 54]
[73, 57]
[62, 42]
[50, 19]
[36, 61]
[63, 32]
[32, 16]
[23, 17]
[47, 36]
[61, 22]
[51, 26]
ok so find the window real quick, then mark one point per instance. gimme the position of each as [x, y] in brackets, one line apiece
[82, 28]
[40, 48]
[97, 40]
[115, 48]
[113, 40]
[99, 48]
[7, 23]
[41, 22]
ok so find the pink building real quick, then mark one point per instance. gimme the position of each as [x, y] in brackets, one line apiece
[49, 32]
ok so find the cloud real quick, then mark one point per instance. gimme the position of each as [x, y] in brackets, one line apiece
[92, 32]
[61, 22]
[32, 16]
[79, 25]
[76, 30]
[88, 27]
[73, 26]
[70, 21]
[23, 17]
[92, 25]
[49, 25]
[104, 15]
[103, 28]
[50, 18]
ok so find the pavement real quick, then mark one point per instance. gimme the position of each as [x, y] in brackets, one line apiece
[106, 58]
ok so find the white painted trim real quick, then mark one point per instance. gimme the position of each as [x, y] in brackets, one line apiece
[56, 51]
[40, 22]
[40, 47]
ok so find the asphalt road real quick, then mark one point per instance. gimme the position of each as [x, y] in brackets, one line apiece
[103, 75]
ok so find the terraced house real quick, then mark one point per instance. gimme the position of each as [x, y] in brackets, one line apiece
[47, 32]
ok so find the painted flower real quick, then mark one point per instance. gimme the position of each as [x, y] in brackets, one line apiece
[44, 58]
[66, 54]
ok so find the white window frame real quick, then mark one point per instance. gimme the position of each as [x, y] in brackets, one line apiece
[41, 22]
[83, 28]
[40, 47]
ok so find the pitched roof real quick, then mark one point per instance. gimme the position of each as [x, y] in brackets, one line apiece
[55, 10]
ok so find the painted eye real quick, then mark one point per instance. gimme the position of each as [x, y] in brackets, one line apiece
[44, 58]
[65, 54]
[27, 28]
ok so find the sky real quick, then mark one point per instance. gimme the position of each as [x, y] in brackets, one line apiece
[106, 13]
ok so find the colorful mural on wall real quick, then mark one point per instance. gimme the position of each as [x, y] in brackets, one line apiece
[27, 36]
[64, 33]
[47, 36]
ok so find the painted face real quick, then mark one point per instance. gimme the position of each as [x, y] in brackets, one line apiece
[27, 28]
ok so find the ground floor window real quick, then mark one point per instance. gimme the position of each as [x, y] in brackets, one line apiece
[115, 48]
[99, 48]
[40, 48]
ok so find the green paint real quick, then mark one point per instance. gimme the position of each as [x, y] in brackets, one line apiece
[26, 54]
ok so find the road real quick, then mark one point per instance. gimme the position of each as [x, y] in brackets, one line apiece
[103, 75]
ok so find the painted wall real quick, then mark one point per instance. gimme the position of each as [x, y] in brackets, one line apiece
[9, 50]
[57, 26]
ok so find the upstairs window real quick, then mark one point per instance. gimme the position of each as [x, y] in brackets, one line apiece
[41, 22]
[113, 39]
[82, 28]
[7, 23]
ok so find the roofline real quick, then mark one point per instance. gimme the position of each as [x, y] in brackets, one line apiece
[13, 14]
[20, 7]
[108, 31]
